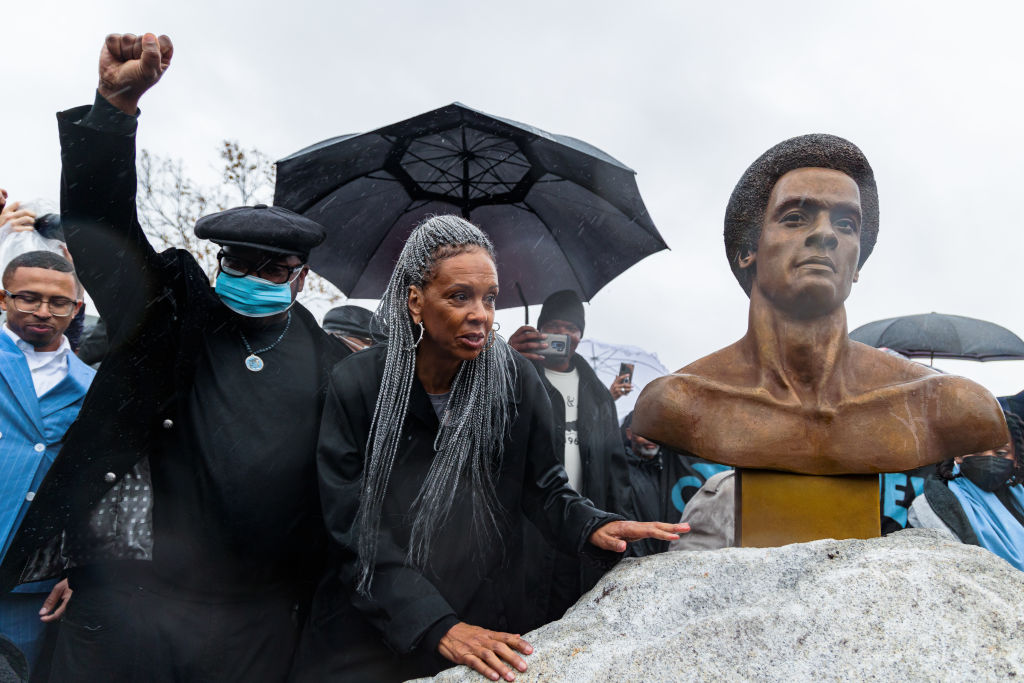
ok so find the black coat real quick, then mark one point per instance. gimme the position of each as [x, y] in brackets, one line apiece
[394, 634]
[605, 478]
[156, 306]
[651, 498]
[556, 577]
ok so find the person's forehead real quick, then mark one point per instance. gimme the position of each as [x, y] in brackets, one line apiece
[475, 263]
[558, 322]
[25, 278]
[811, 183]
[255, 255]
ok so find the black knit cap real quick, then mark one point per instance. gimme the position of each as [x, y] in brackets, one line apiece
[271, 228]
[744, 216]
[563, 305]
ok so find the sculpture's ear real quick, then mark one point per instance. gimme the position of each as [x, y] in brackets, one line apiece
[746, 257]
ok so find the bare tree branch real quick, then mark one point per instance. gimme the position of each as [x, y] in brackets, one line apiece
[170, 203]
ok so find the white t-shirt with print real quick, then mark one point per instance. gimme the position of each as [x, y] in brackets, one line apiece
[568, 385]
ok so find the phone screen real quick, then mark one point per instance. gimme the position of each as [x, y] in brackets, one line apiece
[626, 369]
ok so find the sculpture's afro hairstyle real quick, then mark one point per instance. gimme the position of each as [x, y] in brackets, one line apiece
[744, 215]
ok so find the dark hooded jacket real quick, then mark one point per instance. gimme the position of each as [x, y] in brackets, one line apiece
[605, 473]
[650, 498]
[605, 481]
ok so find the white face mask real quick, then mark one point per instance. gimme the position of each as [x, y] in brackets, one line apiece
[648, 451]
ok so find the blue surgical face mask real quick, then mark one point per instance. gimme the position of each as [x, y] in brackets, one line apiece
[252, 297]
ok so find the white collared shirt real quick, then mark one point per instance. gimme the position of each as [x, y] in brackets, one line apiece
[48, 367]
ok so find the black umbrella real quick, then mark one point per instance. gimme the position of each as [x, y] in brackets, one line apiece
[561, 213]
[936, 335]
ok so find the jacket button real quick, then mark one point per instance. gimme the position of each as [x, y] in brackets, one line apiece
[39, 448]
[168, 424]
[30, 496]
[110, 477]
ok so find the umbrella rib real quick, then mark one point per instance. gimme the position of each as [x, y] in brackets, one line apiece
[494, 163]
[451, 149]
[487, 141]
[431, 164]
[498, 142]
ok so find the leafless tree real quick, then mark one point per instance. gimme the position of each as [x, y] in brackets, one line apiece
[170, 203]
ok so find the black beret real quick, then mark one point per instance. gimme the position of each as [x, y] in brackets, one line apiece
[350, 320]
[272, 228]
[564, 305]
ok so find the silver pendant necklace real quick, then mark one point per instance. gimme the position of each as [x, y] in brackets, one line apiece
[253, 362]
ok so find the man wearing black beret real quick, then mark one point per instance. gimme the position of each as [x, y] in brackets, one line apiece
[186, 492]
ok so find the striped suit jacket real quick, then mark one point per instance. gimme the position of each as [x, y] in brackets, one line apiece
[31, 430]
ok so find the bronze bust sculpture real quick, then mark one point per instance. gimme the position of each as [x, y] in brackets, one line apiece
[796, 394]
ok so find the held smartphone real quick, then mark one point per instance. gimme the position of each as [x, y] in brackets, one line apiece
[558, 346]
[626, 369]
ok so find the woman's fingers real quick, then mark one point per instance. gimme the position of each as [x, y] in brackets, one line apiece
[668, 532]
[520, 645]
[498, 665]
[490, 653]
[614, 535]
[481, 667]
[635, 531]
[510, 656]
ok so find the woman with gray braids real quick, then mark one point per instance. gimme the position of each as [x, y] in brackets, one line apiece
[433, 446]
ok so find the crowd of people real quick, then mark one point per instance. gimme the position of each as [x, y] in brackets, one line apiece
[236, 492]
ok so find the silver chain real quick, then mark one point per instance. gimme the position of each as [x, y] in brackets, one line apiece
[256, 353]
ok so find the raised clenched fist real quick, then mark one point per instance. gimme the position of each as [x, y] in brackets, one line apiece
[130, 65]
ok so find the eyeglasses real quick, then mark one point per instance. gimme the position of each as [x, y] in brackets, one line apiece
[59, 306]
[268, 270]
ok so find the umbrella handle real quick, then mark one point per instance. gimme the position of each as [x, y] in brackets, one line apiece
[526, 306]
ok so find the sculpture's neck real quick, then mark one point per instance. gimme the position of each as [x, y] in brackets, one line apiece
[797, 356]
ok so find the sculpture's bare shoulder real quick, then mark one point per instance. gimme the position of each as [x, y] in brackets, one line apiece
[961, 415]
[884, 413]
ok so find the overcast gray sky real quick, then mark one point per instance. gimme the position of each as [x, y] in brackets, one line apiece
[688, 94]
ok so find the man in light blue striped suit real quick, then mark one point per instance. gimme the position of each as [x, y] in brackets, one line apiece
[42, 385]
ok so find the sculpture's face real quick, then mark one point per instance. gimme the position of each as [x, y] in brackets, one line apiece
[806, 258]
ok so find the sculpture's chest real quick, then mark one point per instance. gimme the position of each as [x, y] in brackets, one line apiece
[869, 436]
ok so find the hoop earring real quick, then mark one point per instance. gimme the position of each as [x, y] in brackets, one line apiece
[417, 343]
[495, 326]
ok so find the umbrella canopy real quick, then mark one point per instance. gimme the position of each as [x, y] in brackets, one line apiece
[562, 214]
[605, 358]
[937, 335]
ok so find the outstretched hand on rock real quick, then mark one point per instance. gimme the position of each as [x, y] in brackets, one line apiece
[615, 535]
[130, 65]
[487, 652]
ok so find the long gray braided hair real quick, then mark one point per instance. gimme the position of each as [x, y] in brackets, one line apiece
[469, 443]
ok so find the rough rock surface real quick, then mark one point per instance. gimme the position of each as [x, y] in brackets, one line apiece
[910, 606]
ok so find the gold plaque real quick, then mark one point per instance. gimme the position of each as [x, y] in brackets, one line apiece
[778, 508]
